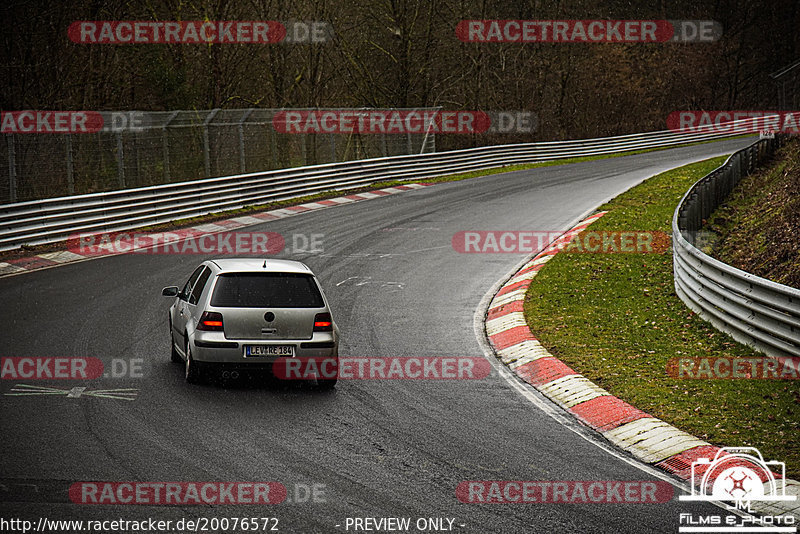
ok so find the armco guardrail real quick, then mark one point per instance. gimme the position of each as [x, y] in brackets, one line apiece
[51, 220]
[755, 311]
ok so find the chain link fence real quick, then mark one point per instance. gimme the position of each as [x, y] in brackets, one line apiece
[136, 149]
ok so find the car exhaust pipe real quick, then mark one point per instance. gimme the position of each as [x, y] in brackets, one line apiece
[234, 374]
[225, 374]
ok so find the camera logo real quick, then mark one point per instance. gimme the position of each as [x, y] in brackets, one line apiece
[738, 474]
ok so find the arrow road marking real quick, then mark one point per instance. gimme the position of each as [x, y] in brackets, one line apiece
[20, 390]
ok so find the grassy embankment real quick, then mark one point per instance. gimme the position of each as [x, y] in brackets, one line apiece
[616, 319]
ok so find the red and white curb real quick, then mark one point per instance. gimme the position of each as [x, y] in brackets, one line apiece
[647, 438]
[60, 257]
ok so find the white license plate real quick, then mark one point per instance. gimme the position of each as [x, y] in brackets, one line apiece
[268, 350]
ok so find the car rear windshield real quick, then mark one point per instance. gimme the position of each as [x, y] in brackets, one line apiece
[266, 290]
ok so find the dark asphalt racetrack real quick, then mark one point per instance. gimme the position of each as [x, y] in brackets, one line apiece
[381, 448]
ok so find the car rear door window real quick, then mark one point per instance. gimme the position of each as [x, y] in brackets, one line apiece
[199, 285]
[187, 288]
[266, 290]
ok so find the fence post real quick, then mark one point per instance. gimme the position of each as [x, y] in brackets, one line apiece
[135, 137]
[165, 145]
[242, 164]
[273, 149]
[12, 170]
[120, 161]
[70, 171]
[206, 149]
[427, 133]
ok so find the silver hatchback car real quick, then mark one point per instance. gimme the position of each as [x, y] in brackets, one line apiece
[246, 314]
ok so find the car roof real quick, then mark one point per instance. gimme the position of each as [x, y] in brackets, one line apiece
[260, 265]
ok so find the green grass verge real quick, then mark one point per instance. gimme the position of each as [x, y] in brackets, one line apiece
[616, 319]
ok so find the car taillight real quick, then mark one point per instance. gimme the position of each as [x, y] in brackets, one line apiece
[210, 321]
[323, 322]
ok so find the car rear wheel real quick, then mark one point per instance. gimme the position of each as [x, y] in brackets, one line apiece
[194, 370]
[326, 383]
[328, 379]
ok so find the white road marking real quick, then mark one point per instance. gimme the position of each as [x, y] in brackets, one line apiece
[367, 280]
[21, 390]
[74, 393]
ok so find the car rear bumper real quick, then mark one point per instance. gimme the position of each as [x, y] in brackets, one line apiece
[212, 347]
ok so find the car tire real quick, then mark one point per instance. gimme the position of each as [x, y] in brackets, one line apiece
[194, 369]
[326, 383]
[329, 383]
[174, 356]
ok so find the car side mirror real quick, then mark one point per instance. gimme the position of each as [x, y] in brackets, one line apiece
[171, 291]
